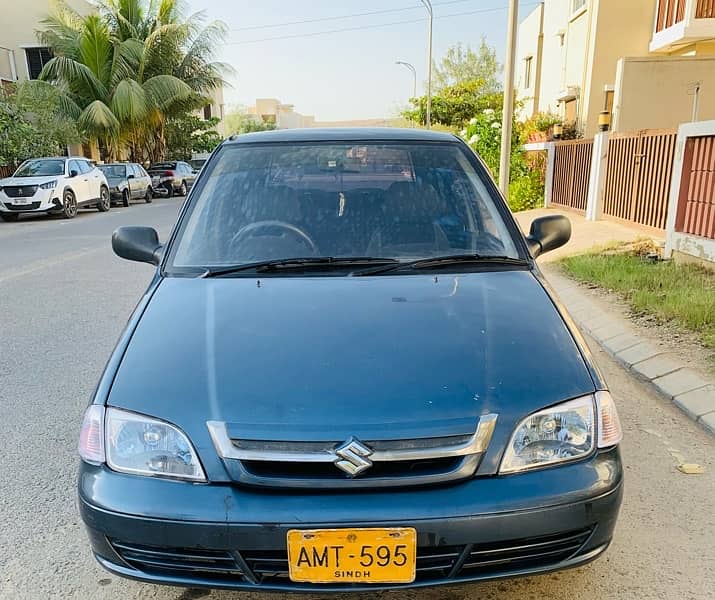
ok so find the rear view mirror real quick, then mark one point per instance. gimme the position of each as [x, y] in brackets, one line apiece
[548, 233]
[137, 243]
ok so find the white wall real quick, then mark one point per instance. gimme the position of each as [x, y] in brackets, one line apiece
[529, 45]
[657, 92]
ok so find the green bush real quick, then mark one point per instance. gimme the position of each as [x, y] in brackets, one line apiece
[483, 134]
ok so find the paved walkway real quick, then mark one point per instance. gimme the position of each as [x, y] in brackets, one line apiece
[693, 392]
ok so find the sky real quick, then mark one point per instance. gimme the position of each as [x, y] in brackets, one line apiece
[344, 74]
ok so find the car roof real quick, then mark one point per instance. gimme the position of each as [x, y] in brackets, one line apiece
[115, 164]
[348, 134]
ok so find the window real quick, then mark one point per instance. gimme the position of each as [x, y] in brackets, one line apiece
[577, 5]
[609, 101]
[527, 71]
[39, 167]
[74, 166]
[207, 111]
[84, 166]
[37, 58]
[404, 201]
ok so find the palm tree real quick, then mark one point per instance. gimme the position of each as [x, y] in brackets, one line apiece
[124, 71]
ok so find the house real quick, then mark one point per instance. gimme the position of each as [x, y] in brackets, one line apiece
[283, 116]
[643, 63]
[21, 55]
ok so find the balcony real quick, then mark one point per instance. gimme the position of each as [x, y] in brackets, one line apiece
[682, 22]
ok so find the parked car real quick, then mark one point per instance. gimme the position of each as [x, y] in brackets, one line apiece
[53, 185]
[127, 181]
[174, 177]
[347, 373]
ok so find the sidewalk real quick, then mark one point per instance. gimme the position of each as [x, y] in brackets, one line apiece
[627, 342]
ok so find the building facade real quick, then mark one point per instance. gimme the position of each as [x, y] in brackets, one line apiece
[642, 62]
[22, 56]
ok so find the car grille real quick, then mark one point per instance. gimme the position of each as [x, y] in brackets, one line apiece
[19, 191]
[20, 207]
[353, 464]
[434, 563]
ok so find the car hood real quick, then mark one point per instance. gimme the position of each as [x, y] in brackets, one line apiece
[326, 358]
[23, 181]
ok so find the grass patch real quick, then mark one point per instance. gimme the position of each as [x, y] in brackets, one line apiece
[680, 294]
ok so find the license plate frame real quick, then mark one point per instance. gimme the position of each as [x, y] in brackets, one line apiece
[352, 555]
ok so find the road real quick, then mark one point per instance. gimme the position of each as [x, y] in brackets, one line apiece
[64, 298]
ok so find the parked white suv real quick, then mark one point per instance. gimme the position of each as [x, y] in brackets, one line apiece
[53, 185]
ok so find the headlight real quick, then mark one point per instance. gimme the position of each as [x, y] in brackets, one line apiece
[133, 443]
[562, 433]
[49, 185]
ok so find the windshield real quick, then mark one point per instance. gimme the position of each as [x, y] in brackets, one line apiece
[40, 167]
[400, 201]
[113, 171]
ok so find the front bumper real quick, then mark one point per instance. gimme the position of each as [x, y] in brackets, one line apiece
[42, 201]
[224, 536]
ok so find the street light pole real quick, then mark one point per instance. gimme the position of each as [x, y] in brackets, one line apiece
[414, 75]
[508, 98]
[428, 6]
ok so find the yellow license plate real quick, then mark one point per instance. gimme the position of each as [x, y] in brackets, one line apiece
[352, 555]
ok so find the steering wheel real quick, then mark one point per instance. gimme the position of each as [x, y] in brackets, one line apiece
[249, 231]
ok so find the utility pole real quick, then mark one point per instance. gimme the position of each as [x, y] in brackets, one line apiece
[428, 6]
[508, 97]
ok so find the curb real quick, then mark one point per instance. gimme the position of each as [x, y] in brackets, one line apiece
[689, 390]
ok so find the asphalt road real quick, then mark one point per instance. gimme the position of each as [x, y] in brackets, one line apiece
[64, 298]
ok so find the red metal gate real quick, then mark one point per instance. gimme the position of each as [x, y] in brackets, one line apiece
[572, 170]
[640, 167]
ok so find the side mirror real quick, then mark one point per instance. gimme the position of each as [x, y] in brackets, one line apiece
[137, 243]
[130, 176]
[548, 233]
[74, 173]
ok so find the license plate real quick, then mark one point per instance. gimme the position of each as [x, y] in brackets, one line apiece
[352, 555]
[22, 201]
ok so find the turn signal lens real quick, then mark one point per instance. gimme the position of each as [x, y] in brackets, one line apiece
[91, 436]
[609, 425]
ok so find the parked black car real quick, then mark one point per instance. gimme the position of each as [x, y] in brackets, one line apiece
[174, 177]
[127, 181]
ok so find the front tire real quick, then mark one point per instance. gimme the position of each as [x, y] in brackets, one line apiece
[105, 202]
[169, 187]
[69, 205]
[9, 218]
[125, 198]
[149, 196]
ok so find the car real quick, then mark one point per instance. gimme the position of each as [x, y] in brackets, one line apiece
[347, 373]
[127, 181]
[172, 178]
[53, 185]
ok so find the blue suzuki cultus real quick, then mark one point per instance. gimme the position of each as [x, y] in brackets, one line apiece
[347, 373]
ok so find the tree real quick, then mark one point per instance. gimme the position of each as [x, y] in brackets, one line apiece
[188, 134]
[124, 72]
[32, 124]
[239, 121]
[454, 105]
[463, 64]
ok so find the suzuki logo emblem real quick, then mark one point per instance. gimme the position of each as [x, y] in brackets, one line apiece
[352, 457]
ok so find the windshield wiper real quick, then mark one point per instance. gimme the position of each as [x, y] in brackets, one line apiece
[317, 262]
[440, 261]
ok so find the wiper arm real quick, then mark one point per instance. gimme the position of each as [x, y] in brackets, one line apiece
[300, 263]
[439, 261]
